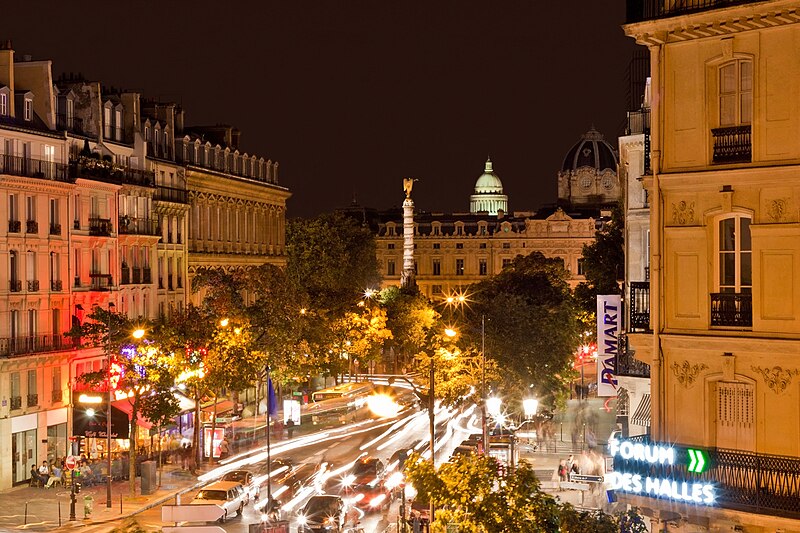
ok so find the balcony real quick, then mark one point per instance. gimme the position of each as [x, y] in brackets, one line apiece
[33, 285]
[639, 307]
[55, 229]
[101, 170]
[640, 10]
[11, 347]
[27, 167]
[56, 285]
[137, 226]
[57, 395]
[15, 285]
[745, 481]
[171, 194]
[71, 124]
[627, 364]
[16, 402]
[101, 282]
[731, 309]
[100, 227]
[31, 226]
[14, 226]
[33, 400]
[732, 145]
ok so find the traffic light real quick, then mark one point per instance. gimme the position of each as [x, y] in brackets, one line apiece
[77, 486]
[82, 447]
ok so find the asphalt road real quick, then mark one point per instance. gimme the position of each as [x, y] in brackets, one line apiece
[336, 449]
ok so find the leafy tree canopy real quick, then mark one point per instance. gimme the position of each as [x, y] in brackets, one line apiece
[603, 263]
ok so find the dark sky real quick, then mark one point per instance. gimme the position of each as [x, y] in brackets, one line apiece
[352, 96]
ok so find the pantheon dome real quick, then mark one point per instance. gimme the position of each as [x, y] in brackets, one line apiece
[488, 195]
[588, 176]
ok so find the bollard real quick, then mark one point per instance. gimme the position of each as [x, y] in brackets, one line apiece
[88, 506]
[72, 499]
[26, 513]
[59, 513]
[120, 504]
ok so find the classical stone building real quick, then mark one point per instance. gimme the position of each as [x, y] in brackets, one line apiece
[722, 185]
[488, 197]
[588, 177]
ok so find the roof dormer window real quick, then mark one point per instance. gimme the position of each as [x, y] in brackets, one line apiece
[3, 102]
[28, 110]
[107, 126]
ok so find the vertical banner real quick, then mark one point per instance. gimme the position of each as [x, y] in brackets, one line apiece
[608, 328]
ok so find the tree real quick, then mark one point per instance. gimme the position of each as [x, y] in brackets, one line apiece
[409, 317]
[139, 368]
[603, 263]
[530, 323]
[333, 258]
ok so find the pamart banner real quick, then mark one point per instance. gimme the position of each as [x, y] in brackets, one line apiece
[608, 327]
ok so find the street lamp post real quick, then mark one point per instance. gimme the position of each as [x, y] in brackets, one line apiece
[484, 427]
[111, 307]
[432, 421]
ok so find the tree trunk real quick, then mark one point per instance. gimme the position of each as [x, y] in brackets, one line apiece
[132, 450]
[196, 436]
[213, 431]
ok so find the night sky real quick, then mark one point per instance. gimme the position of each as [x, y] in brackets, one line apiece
[352, 96]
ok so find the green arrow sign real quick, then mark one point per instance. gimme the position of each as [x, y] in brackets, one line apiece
[698, 460]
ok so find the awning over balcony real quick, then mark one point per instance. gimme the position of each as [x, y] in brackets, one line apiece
[641, 417]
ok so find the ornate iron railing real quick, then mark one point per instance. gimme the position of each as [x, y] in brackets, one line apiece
[14, 226]
[170, 194]
[33, 168]
[732, 145]
[639, 319]
[31, 226]
[101, 282]
[33, 285]
[16, 402]
[15, 285]
[639, 10]
[56, 395]
[627, 364]
[33, 400]
[10, 347]
[56, 285]
[137, 226]
[98, 169]
[732, 309]
[100, 226]
[55, 229]
[745, 481]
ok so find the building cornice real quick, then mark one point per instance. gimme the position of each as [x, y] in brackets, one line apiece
[714, 22]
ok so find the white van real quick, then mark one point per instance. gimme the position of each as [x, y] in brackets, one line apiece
[230, 495]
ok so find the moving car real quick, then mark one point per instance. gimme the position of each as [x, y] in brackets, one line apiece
[246, 478]
[364, 486]
[321, 514]
[229, 495]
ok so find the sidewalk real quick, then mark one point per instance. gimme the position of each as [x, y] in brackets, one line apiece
[39, 509]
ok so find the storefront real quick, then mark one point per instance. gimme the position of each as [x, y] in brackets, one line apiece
[23, 447]
[57, 441]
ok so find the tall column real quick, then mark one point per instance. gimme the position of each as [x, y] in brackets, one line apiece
[407, 278]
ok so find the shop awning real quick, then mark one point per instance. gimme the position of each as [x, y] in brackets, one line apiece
[641, 417]
[126, 407]
[184, 404]
[223, 406]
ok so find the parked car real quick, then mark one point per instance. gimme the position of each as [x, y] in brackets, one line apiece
[322, 514]
[230, 495]
[246, 478]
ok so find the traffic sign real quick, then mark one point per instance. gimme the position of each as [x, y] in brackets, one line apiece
[206, 512]
[71, 462]
[192, 529]
[585, 478]
[698, 460]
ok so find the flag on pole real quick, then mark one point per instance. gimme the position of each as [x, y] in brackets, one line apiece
[272, 402]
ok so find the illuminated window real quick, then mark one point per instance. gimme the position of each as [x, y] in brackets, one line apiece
[459, 267]
[482, 267]
[734, 255]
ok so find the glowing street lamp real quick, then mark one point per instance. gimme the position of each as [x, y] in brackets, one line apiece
[493, 406]
[138, 334]
[450, 332]
[530, 406]
[224, 322]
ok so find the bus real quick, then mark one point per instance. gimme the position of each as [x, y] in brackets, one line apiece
[345, 390]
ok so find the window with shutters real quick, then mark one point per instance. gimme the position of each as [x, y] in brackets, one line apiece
[735, 416]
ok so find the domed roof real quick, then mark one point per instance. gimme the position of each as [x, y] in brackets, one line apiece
[488, 182]
[591, 151]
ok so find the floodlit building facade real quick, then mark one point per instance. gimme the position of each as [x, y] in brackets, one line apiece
[724, 311]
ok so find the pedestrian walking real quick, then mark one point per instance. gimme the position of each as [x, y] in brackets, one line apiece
[562, 470]
[224, 449]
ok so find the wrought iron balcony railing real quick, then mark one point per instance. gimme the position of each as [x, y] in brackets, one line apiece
[101, 170]
[57, 395]
[14, 346]
[137, 226]
[33, 285]
[101, 227]
[101, 282]
[640, 10]
[14, 226]
[33, 400]
[732, 145]
[56, 285]
[70, 124]
[732, 309]
[55, 229]
[627, 364]
[31, 226]
[744, 481]
[27, 167]
[15, 285]
[16, 402]
[639, 319]
[171, 194]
